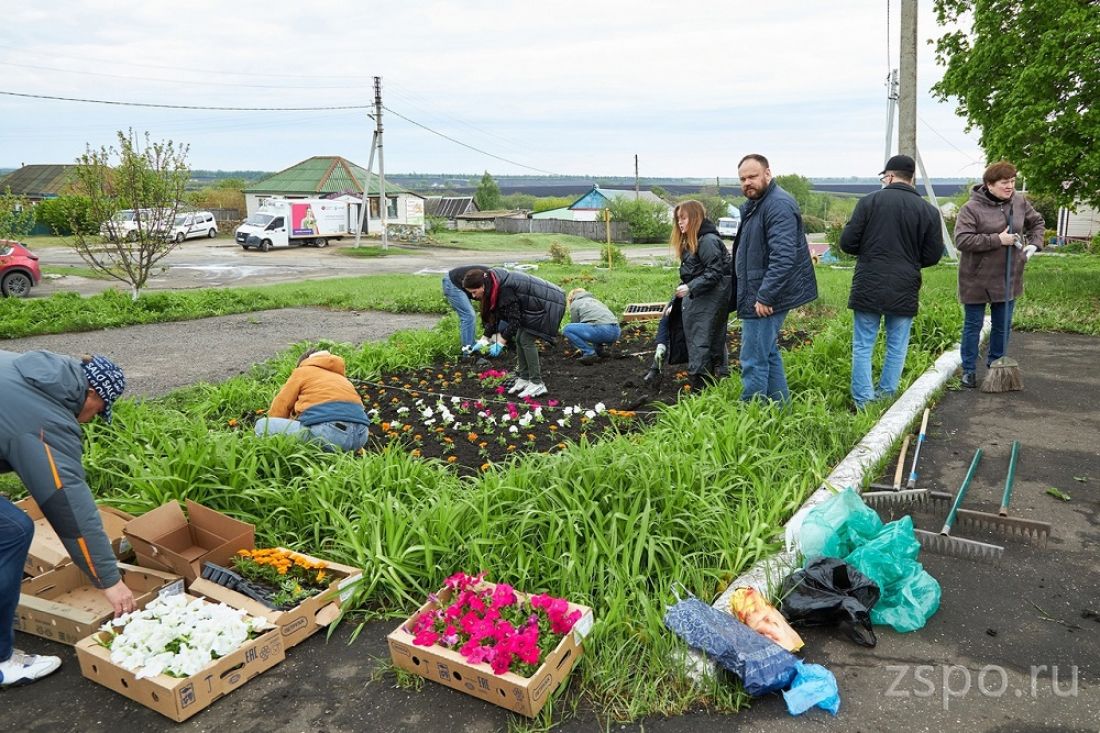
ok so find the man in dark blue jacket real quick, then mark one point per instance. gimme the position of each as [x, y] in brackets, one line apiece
[893, 233]
[773, 273]
[45, 397]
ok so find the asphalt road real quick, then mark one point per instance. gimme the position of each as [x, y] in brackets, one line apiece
[218, 263]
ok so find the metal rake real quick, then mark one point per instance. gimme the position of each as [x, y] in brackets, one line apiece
[1001, 523]
[945, 544]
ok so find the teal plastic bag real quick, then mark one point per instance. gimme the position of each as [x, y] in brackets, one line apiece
[812, 685]
[844, 527]
[837, 526]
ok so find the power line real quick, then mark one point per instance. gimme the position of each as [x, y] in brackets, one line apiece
[459, 142]
[187, 106]
[276, 109]
[205, 82]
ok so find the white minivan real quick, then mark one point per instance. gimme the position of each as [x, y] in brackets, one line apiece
[191, 225]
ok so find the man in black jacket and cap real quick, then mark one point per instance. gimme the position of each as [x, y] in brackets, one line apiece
[893, 233]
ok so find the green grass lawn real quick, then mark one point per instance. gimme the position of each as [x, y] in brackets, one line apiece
[497, 242]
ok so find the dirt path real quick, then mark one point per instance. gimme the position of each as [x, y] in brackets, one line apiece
[160, 357]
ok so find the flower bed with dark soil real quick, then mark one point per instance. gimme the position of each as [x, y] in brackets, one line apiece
[458, 411]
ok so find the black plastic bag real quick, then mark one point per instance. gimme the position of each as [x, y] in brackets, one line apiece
[830, 591]
[762, 665]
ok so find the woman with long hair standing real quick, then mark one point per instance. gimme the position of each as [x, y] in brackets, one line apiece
[704, 291]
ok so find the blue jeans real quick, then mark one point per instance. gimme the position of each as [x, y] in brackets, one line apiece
[588, 337]
[340, 435]
[467, 319]
[865, 328]
[16, 531]
[973, 315]
[762, 372]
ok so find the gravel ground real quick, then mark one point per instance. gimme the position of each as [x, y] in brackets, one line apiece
[161, 357]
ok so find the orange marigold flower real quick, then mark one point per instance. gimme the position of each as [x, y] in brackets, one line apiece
[415, 453]
[233, 422]
[452, 459]
[486, 466]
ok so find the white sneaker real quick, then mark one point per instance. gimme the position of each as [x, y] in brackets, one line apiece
[518, 386]
[534, 389]
[22, 669]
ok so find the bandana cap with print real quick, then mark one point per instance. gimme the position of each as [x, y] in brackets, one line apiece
[107, 379]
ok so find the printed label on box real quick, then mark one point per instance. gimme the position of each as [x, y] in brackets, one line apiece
[174, 589]
[583, 627]
[345, 595]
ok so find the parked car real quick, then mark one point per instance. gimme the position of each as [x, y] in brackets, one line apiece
[19, 270]
[191, 225]
[127, 224]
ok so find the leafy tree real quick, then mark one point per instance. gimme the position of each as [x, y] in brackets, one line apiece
[487, 196]
[1026, 73]
[648, 220]
[797, 186]
[16, 215]
[147, 178]
[65, 215]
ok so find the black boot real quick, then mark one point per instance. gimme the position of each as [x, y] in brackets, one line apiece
[653, 376]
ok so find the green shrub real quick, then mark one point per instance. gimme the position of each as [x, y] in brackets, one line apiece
[649, 221]
[67, 215]
[609, 253]
[559, 254]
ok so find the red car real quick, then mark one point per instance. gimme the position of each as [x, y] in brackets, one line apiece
[18, 269]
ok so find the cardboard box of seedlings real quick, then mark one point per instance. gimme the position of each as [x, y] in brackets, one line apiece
[166, 539]
[523, 695]
[47, 552]
[62, 604]
[299, 623]
[179, 698]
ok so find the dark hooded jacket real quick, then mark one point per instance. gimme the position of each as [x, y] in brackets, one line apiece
[706, 267]
[518, 299]
[981, 254]
[42, 394]
[772, 262]
[893, 233]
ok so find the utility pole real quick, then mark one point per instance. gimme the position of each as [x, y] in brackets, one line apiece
[637, 189]
[891, 105]
[907, 98]
[365, 205]
[382, 205]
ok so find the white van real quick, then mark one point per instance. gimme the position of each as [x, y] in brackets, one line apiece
[727, 227]
[192, 225]
[127, 224]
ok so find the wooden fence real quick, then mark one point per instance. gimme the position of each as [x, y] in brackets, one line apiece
[595, 230]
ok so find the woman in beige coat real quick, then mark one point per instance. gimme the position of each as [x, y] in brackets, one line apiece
[995, 224]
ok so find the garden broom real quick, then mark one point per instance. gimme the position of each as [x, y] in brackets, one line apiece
[1004, 373]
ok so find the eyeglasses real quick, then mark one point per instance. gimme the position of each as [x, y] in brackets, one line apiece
[884, 177]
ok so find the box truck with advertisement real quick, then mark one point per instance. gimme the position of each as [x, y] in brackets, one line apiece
[281, 222]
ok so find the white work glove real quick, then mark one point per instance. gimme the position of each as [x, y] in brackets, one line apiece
[1030, 250]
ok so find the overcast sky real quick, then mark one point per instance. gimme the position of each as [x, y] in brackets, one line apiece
[566, 87]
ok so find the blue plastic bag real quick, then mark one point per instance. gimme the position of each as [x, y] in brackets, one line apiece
[812, 685]
[762, 665]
